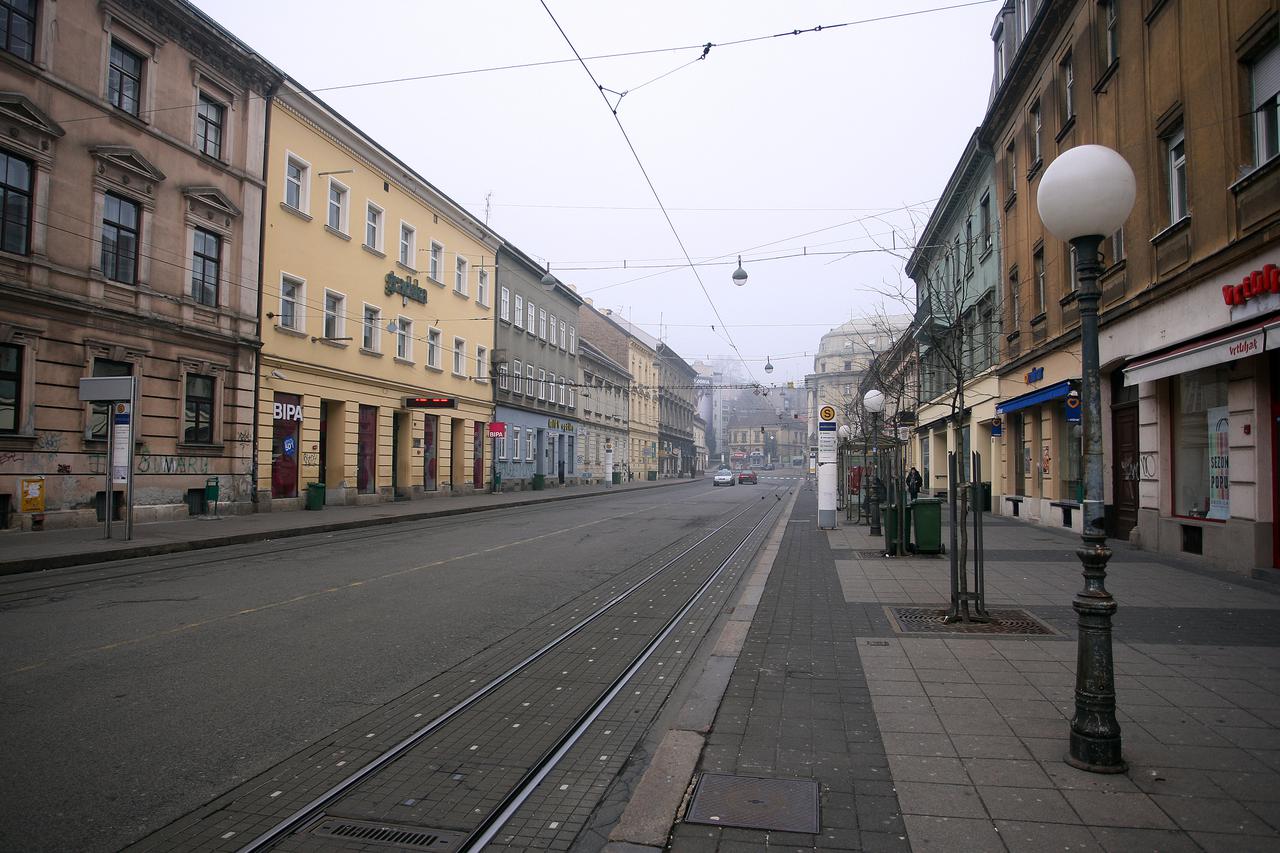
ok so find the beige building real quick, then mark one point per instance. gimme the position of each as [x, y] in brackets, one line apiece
[637, 351]
[133, 160]
[377, 301]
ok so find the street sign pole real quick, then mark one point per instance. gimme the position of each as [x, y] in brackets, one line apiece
[828, 470]
[119, 393]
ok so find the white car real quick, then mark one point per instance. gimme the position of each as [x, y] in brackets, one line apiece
[725, 477]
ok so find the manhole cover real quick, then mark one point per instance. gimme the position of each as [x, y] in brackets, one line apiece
[931, 620]
[782, 805]
[390, 834]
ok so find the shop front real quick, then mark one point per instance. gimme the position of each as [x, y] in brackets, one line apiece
[536, 448]
[980, 431]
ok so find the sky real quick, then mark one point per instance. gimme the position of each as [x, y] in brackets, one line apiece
[809, 155]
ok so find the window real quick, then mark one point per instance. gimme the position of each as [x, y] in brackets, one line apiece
[372, 328]
[984, 222]
[15, 203]
[337, 207]
[551, 387]
[1038, 265]
[968, 245]
[408, 245]
[552, 339]
[1072, 464]
[1037, 124]
[517, 369]
[504, 377]
[1110, 44]
[518, 317]
[542, 324]
[1015, 301]
[124, 78]
[435, 270]
[297, 179]
[120, 220]
[542, 384]
[404, 338]
[10, 387]
[504, 303]
[333, 319]
[573, 340]
[460, 276]
[533, 326]
[1073, 280]
[1068, 89]
[563, 344]
[1000, 61]
[572, 398]
[99, 412]
[373, 227]
[482, 287]
[210, 117]
[531, 387]
[1011, 170]
[563, 397]
[1176, 152]
[1201, 440]
[1117, 246]
[459, 357]
[500, 443]
[18, 28]
[529, 445]
[1023, 16]
[206, 258]
[291, 292]
[482, 363]
[1264, 85]
[197, 418]
[433, 348]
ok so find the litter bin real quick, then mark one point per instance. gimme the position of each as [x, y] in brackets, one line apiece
[986, 497]
[928, 513]
[211, 491]
[890, 518]
[651, 475]
[315, 496]
[617, 478]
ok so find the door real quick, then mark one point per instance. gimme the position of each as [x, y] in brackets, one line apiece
[395, 452]
[284, 445]
[367, 451]
[477, 450]
[1125, 468]
[324, 441]
[430, 447]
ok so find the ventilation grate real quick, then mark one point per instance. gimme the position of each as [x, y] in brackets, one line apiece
[390, 834]
[930, 620]
[780, 805]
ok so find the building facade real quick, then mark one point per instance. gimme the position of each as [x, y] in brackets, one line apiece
[129, 247]
[537, 376]
[377, 301]
[604, 409]
[1188, 289]
[638, 352]
[844, 354]
[676, 411]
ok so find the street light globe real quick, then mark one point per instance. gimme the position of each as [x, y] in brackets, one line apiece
[739, 275]
[873, 401]
[1087, 191]
[844, 432]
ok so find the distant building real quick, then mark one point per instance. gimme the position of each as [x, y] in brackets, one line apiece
[675, 414]
[604, 408]
[637, 350]
[844, 353]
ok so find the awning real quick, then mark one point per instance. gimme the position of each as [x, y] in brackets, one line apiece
[1035, 398]
[1206, 352]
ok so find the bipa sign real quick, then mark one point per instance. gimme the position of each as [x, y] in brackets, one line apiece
[288, 412]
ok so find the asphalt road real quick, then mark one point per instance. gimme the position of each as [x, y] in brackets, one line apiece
[135, 692]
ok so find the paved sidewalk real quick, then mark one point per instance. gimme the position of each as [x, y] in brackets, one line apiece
[944, 742]
[29, 552]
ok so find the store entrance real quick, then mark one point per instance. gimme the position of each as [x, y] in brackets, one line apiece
[1125, 461]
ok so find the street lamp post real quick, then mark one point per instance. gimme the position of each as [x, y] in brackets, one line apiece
[1086, 194]
[873, 402]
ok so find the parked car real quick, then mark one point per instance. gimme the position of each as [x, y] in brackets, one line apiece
[748, 477]
[724, 477]
[768, 466]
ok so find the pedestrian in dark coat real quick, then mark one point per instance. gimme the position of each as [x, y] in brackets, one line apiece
[913, 483]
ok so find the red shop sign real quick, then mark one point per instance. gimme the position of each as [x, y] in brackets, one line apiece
[1256, 283]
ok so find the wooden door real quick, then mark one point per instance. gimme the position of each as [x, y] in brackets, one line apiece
[1125, 468]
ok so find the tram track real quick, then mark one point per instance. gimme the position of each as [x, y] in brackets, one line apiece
[630, 622]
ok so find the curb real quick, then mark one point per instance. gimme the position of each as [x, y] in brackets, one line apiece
[61, 561]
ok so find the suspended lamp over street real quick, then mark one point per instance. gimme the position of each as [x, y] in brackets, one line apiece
[739, 275]
[768, 365]
[548, 280]
[1085, 196]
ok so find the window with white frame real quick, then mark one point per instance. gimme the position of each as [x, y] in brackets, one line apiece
[542, 384]
[1264, 86]
[371, 333]
[460, 270]
[504, 377]
[292, 294]
[517, 370]
[482, 363]
[297, 183]
[459, 357]
[433, 348]
[1000, 62]
[530, 445]
[1023, 16]
[504, 303]
[1176, 175]
[482, 287]
[1073, 280]
[564, 398]
[334, 321]
[551, 387]
[404, 338]
[542, 324]
[532, 318]
[501, 443]
[435, 263]
[984, 220]
[1036, 120]
[515, 442]
[1041, 296]
[563, 342]
[573, 341]
[1109, 41]
[408, 245]
[337, 211]
[373, 226]
[211, 118]
[518, 312]
[531, 384]
[551, 338]
[572, 397]
[1068, 89]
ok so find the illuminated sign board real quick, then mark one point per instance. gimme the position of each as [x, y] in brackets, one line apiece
[430, 402]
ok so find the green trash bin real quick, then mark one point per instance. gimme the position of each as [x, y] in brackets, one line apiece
[539, 482]
[928, 518]
[617, 478]
[986, 497]
[211, 490]
[651, 475]
[890, 518]
[315, 496]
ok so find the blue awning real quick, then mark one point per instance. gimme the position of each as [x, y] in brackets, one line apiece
[1035, 398]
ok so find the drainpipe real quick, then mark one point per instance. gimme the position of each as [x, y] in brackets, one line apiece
[262, 240]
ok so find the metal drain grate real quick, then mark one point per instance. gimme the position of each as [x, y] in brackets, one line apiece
[931, 620]
[870, 552]
[404, 837]
[781, 805]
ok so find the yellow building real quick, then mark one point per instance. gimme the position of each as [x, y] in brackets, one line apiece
[377, 294]
[629, 345]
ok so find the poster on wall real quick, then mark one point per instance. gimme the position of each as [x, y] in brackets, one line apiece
[1219, 470]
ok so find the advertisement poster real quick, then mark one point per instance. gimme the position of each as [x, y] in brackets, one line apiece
[121, 452]
[1219, 459]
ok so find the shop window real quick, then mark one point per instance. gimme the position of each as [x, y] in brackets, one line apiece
[1201, 440]
[1073, 462]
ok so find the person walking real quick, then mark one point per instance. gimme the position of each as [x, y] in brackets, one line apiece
[913, 483]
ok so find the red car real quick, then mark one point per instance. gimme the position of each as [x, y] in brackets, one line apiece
[748, 477]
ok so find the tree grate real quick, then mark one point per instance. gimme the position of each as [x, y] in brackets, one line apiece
[931, 620]
[390, 834]
[780, 805]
